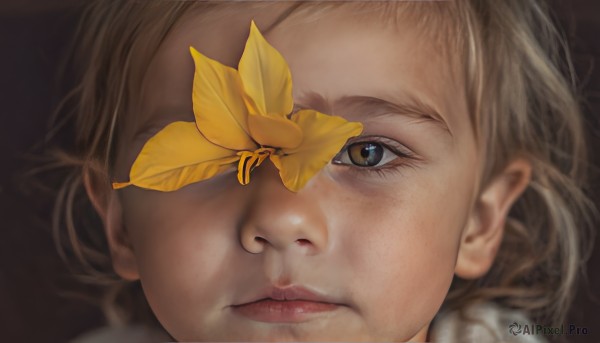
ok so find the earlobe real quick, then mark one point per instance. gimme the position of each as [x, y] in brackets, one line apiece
[107, 204]
[483, 234]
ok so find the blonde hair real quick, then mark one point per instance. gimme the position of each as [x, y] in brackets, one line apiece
[520, 105]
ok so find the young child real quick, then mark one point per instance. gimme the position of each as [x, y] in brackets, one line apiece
[336, 171]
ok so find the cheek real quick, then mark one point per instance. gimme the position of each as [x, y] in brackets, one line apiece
[403, 247]
[182, 244]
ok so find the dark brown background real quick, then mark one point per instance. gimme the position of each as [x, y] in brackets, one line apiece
[34, 36]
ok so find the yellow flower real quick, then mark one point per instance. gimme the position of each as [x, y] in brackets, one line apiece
[242, 118]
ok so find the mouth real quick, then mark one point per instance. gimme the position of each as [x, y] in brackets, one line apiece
[286, 305]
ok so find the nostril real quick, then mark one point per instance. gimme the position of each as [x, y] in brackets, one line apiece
[260, 240]
[302, 241]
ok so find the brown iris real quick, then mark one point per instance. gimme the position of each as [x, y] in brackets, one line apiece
[365, 154]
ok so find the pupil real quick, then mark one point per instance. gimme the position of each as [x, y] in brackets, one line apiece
[366, 154]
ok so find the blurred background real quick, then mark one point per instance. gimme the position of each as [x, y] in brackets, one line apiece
[37, 301]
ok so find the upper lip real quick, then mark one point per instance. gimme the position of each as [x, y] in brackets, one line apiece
[290, 293]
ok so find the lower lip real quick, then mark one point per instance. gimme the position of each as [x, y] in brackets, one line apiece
[288, 311]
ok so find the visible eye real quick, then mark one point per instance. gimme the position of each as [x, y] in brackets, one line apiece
[367, 154]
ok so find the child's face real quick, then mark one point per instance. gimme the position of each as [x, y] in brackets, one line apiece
[379, 242]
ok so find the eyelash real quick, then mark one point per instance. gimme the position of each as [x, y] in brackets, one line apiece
[404, 158]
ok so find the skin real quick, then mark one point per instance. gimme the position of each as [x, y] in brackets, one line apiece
[385, 243]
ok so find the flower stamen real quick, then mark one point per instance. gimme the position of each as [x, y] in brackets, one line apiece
[250, 160]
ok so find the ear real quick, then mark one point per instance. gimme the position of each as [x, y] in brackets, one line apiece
[107, 204]
[482, 236]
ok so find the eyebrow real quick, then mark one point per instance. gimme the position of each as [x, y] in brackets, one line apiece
[410, 106]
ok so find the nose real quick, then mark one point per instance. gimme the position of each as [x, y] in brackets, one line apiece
[277, 218]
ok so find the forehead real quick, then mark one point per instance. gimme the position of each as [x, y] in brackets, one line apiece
[332, 51]
[348, 51]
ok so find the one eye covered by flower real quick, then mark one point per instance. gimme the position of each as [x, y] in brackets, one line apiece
[242, 117]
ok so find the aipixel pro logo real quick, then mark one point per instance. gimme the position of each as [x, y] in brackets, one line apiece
[537, 329]
[515, 328]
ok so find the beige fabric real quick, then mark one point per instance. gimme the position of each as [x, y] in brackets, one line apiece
[491, 325]
[123, 334]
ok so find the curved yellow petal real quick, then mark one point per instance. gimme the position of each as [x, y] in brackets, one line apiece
[324, 137]
[219, 108]
[177, 156]
[274, 131]
[265, 77]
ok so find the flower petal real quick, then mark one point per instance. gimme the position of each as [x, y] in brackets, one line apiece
[265, 77]
[324, 137]
[219, 108]
[177, 156]
[274, 131]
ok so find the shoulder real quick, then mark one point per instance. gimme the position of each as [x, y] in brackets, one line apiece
[482, 323]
